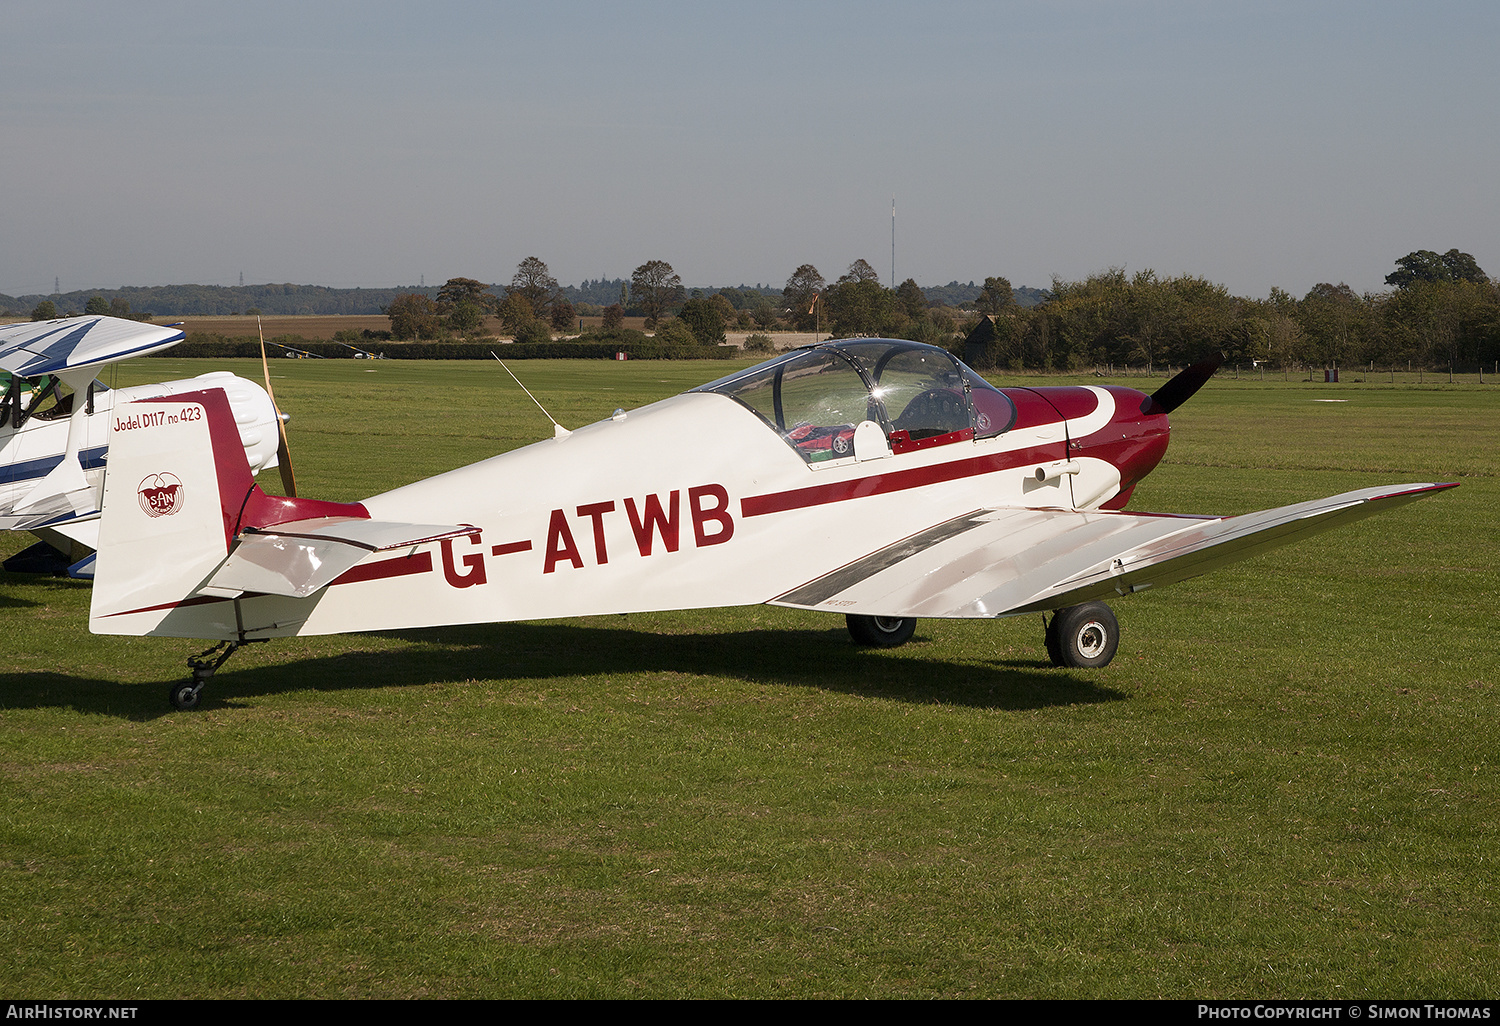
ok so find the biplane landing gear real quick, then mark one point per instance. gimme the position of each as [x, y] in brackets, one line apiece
[881, 631]
[1083, 637]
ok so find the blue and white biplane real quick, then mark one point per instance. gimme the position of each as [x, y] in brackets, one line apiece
[55, 424]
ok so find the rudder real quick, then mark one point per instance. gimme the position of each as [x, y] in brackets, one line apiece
[175, 482]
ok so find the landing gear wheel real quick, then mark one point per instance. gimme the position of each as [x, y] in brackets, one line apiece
[185, 696]
[1083, 637]
[1054, 647]
[881, 631]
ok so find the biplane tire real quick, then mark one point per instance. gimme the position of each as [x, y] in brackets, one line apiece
[185, 696]
[881, 631]
[1084, 637]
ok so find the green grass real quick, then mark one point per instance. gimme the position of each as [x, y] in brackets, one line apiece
[1284, 786]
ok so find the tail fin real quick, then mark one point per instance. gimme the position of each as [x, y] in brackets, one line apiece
[175, 483]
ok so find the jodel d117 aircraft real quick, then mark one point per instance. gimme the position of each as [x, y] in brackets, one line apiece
[55, 422]
[879, 479]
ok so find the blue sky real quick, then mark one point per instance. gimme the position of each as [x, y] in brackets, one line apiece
[1256, 145]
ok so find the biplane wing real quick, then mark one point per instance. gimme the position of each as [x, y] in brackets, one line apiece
[31, 349]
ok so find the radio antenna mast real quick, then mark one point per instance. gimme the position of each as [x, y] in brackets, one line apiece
[558, 431]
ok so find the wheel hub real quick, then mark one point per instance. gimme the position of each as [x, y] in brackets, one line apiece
[1091, 639]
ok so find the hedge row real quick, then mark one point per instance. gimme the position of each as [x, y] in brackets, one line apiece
[222, 348]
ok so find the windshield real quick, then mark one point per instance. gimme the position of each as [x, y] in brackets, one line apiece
[918, 395]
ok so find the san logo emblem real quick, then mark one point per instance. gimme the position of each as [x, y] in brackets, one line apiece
[160, 495]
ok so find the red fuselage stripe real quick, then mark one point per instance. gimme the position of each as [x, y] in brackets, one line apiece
[901, 480]
[401, 566]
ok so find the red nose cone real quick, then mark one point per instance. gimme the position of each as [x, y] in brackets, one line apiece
[1134, 441]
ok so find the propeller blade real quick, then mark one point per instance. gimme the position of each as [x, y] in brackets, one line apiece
[283, 451]
[1181, 388]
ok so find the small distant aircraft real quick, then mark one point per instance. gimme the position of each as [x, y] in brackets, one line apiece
[876, 478]
[55, 422]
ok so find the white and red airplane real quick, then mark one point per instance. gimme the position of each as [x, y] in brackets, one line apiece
[879, 479]
[55, 419]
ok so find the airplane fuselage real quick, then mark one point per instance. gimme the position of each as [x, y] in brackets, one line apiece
[690, 502]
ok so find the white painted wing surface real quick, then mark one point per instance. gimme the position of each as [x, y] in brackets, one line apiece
[1008, 561]
[296, 559]
[32, 349]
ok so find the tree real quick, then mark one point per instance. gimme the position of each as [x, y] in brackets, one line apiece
[614, 316]
[801, 291]
[562, 314]
[1431, 321]
[535, 282]
[860, 270]
[655, 287]
[466, 318]
[533, 331]
[516, 311]
[727, 310]
[858, 307]
[763, 313]
[97, 306]
[705, 319]
[1425, 265]
[910, 298]
[676, 332]
[459, 290]
[995, 297]
[46, 310]
[1327, 316]
[413, 315]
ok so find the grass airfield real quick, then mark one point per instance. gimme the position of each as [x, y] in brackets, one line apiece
[1284, 785]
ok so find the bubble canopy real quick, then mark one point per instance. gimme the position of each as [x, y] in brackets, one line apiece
[918, 395]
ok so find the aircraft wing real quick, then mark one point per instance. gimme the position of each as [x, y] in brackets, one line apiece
[297, 558]
[31, 349]
[1001, 562]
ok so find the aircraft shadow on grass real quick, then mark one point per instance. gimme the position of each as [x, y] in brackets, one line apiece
[491, 655]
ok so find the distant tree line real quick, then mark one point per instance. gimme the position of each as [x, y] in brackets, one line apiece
[1441, 310]
[218, 300]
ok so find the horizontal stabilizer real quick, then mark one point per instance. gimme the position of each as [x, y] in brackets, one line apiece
[1008, 561]
[64, 490]
[296, 559]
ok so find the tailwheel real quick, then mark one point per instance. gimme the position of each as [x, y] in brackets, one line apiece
[185, 696]
[881, 631]
[1083, 637]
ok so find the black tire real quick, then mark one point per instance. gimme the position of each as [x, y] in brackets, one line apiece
[881, 631]
[1054, 647]
[184, 696]
[1086, 637]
